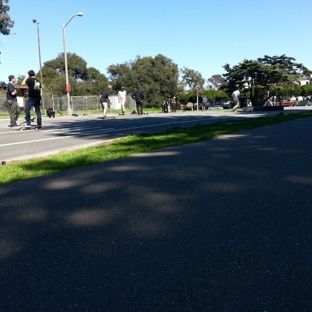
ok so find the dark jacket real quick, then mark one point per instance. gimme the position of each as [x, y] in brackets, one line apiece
[34, 88]
[138, 96]
[105, 96]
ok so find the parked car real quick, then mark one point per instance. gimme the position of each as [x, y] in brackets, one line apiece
[227, 105]
[216, 106]
[304, 103]
[200, 106]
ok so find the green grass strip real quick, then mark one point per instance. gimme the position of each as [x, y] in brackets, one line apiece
[134, 145]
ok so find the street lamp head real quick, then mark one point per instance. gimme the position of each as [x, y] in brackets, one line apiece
[34, 21]
[79, 14]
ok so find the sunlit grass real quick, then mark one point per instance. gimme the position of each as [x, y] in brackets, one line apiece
[134, 145]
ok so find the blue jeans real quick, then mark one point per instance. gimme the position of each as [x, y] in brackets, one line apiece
[29, 104]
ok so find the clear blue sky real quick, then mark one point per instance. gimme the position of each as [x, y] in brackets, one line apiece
[202, 35]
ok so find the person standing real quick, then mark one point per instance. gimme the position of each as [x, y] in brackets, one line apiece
[204, 103]
[174, 104]
[235, 97]
[122, 99]
[11, 102]
[105, 98]
[34, 98]
[138, 96]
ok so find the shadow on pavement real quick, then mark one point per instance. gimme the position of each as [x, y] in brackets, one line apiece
[221, 225]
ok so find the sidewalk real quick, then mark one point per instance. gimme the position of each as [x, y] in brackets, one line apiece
[220, 225]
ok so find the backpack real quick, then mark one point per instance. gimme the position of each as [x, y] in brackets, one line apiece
[37, 85]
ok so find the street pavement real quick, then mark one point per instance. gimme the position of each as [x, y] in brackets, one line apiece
[221, 225]
[68, 133]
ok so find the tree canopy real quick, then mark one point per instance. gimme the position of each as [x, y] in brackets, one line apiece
[83, 80]
[191, 78]
[212, 96]
[157, 77]
[5, 20]
[267, 74]
[216, 81]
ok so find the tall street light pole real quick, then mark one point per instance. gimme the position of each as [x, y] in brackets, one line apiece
[69, 110]
[39, 51]
[197, 97]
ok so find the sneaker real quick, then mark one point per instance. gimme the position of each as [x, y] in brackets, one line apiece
[39, 127]
[28, 126]
[104, 117]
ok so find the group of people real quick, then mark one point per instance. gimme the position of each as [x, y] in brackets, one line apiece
[34, 99]
[35, 92]
[137, 95]
[169, 105]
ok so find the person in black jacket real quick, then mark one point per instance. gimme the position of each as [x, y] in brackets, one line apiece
[105, 98]
[34, 97]
[50, 112]
[138, 96]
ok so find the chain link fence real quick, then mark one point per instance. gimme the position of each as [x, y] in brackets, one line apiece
[78, 104]
[90, 103]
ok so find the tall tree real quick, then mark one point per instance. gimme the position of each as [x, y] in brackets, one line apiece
[5, 20]
[194, 80]
[191, 78]
[216, 81]
[262, 76]
[95, 82]
[83, 80]
[77, 66]
[157, 77]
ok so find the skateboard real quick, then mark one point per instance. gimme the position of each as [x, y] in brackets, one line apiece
[32, 127]
[105, 118]
[22, 126]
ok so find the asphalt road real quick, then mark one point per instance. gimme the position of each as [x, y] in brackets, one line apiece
[68, 133]
[161, 231]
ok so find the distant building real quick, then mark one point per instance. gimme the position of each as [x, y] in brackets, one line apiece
[304, 81]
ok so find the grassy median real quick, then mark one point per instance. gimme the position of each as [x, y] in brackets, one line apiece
[134, 145]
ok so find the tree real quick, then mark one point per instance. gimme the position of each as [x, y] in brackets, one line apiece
[95, 82]
[193, 79]
[76, 65]
[260, 77]
[216, 81]
[306, 90]
[83, 80]
[5, 20]
[212, 95]
[157, 77]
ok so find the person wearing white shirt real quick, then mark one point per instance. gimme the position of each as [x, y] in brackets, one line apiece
[235, 98]
[122, 99]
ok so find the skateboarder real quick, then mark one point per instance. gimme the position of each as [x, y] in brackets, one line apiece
[105, 98]
[34, 97]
